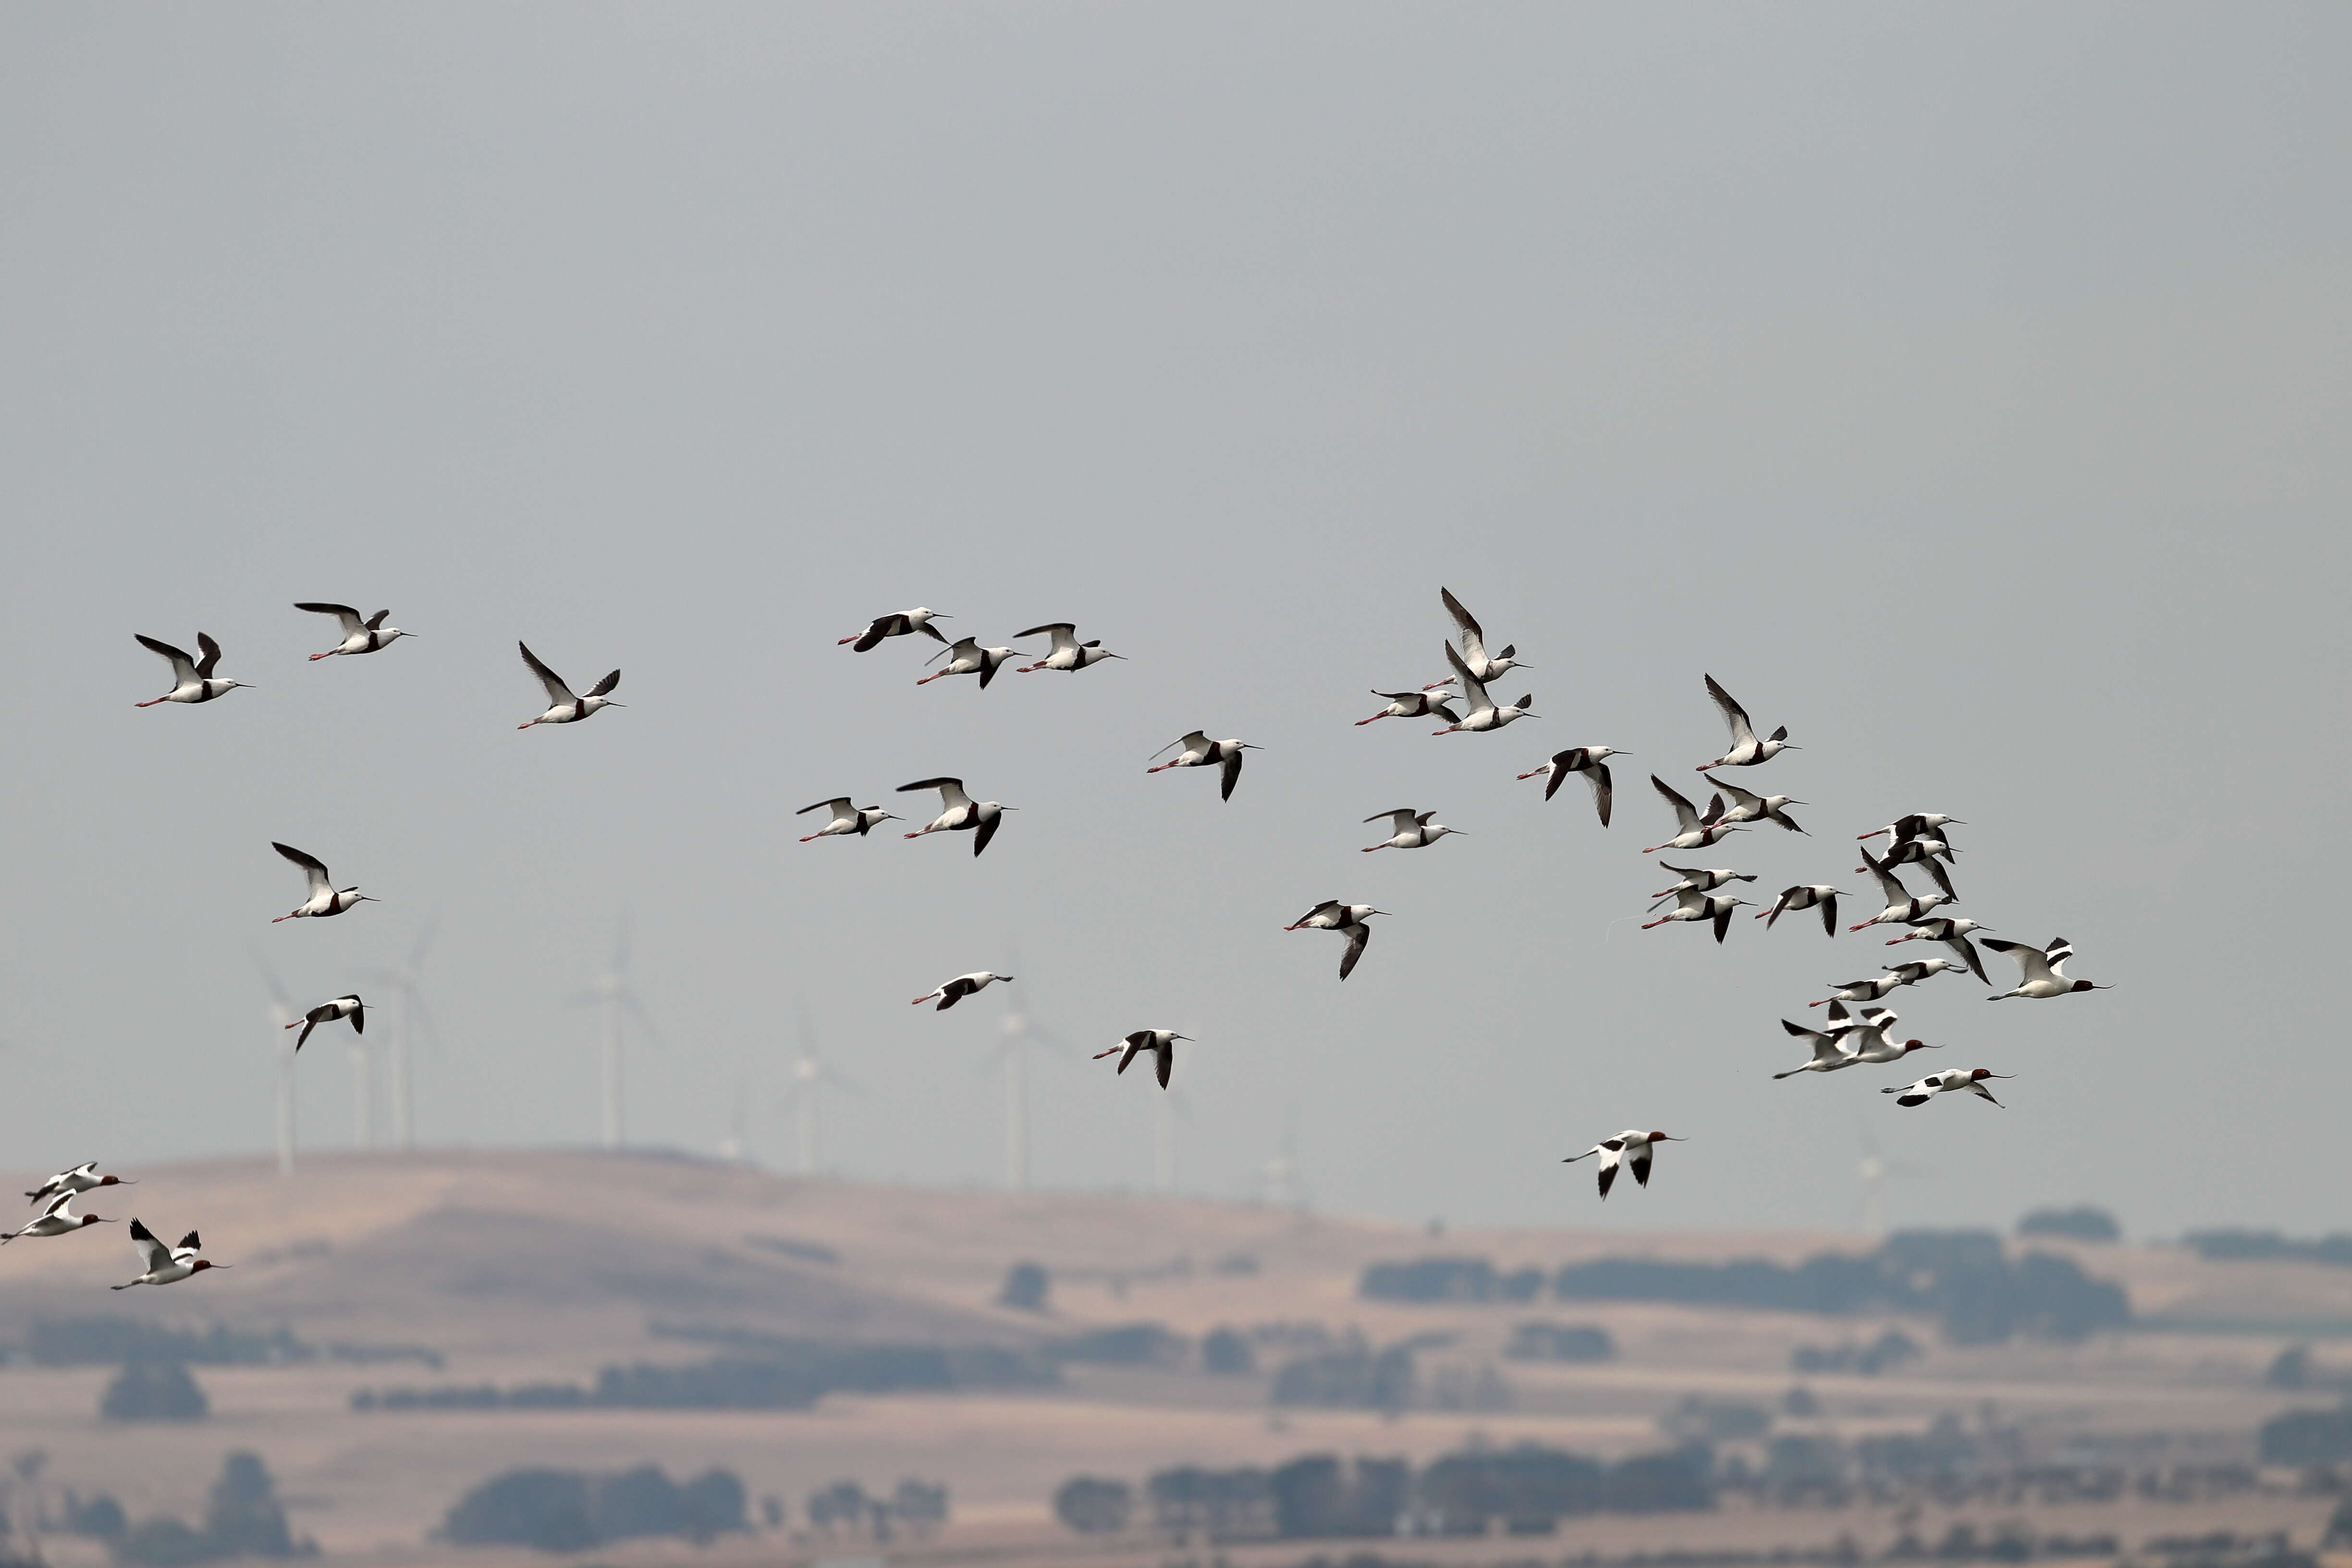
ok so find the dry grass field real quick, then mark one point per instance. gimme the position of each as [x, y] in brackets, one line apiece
[523, 1266]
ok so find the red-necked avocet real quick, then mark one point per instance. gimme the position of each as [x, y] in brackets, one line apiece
[360, 635]
[82, 1178]
[958, 813]
[165, 1264]
[2042, 970]
[1160, 1043]
[1828, 1054]
[192, 679]
[562, 707]
[1200, 752]
[847, 817]
[57, 1218]
[962, 986]
[1631, 1148]
[1409, 829]
[896, 624]
[1747, 751]
[1971, 1079]
[325, 898]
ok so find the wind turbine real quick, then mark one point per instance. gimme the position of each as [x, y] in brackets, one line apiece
[1873, 1170]
[611, 993]
[1282, 1185]
[812, 1075]
[407, 980]
[1021, 1032]
[282, 1013]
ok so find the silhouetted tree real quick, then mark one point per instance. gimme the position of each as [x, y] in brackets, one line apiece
[842, 1503]
[1024, 1289]
[164, 1543]
[546, 1508]
[1092, 1505]
[1227, 1353]
[921, 1505]
[148, 1391]
[2081, 1223]
[101, 1517]
[243, 1518]
[2291, 1368]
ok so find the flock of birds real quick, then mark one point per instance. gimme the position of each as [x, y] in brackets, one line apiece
[1919, 840]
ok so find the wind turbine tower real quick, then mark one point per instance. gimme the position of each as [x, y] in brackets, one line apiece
[281, 1013]
[408, 980]
[812, 1075]
[612, 996]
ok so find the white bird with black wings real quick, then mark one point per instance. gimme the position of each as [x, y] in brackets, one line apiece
[562, 707]
[165, 1264]
[1632, 1149]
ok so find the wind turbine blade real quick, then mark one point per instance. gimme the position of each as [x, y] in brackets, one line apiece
[430, 1026]
[842, 1081]
[270, 978]
[424, 943]
[636, 1010]
[1044, 1035]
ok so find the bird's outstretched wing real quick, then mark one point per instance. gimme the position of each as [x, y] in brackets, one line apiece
[1888, 882]
[211, 651]
[1474, 691]
[1474, 640]
[1358, 935]
[1063, 632]
[1604, 789]
[604, 686]
[839, 807]
[2033, 963]
[314, 868]
[1231, 769]
[344, 613]
[1734, 715]
[1685, 814]
[152, 1253]
[183, 668]
[558, 694]
[987, 831]
[951, 796]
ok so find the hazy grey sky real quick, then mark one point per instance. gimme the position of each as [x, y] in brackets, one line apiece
[1964, 386]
